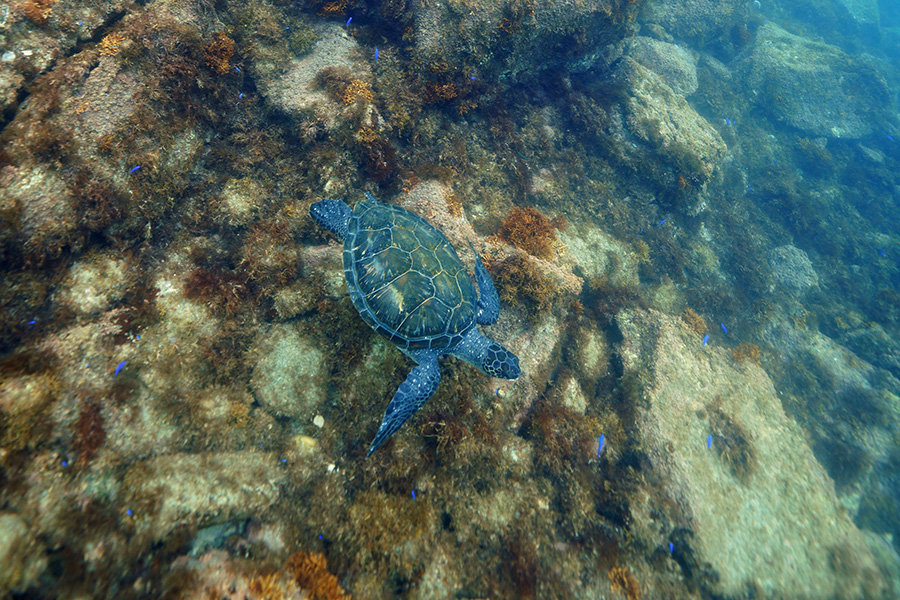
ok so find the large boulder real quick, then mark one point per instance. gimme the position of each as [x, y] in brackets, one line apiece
[515, 39]
[659, 133]
[674, 64]
[750, 506]
[814, 86]
[697, 20]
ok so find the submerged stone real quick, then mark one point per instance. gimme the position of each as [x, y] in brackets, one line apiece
[756, 508]
[814, 86]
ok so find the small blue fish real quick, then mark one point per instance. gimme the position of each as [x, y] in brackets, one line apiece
[65, 463]
[881, 252]
[727, 122]
[238, 69]
[119, 368]
[134, 168]
[347, 24]
[284, 460]
[661, 222]
[472, 77]
[414, 494]
[709, 442]
[725, 329]
[241, 95]
[33, 322]
[671, 547]
[128, 511]
[376, 54]
[890, 137]
[601, 444]
[774, 162]
[705, 339]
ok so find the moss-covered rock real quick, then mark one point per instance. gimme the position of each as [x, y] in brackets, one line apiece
[663, 123]
[22, 559]
[814, 86]
[761, 510]
[198, 490]
[291, 374]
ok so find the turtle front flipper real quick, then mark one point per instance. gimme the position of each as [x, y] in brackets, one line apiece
[333, 215]
[489, 300]
[419, 386]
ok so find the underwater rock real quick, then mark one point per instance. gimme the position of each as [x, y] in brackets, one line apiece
[241, 199]
[792, 268]
[42, 212]
[698, 20]
[107, 99]
[663, 123]
[597, 254]
[290, 377]
[295, 89]
[37, 34]
[516, 40]
[22, 558]
[199, 490]
[815, 87]
[863, 12]
[94, 283]
[759, 509]
[674, 64]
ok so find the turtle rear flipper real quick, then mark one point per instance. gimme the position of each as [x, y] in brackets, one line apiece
[420, 385]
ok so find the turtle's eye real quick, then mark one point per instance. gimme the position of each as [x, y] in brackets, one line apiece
[500, 362]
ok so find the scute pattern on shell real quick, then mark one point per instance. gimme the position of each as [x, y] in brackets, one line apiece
[406, 279]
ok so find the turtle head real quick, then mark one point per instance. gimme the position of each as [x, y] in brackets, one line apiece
[497, 361]
[333, 215]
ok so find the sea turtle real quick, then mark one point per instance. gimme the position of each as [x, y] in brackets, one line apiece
[408, 284]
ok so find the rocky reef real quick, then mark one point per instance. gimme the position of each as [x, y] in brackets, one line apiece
[689, 209]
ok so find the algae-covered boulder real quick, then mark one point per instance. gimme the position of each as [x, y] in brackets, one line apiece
[792, 269]
[697, 20]
[664, 137]
[295, 88]
[22, 559]
[674, 64]
[814, 86]
[199, 490]
[290, 376]
[515, 39]
[754, 507]
[863, 12]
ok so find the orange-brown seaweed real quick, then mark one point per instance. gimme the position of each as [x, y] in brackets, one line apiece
[623, 581]
[695, 322]
[749, 352]
[219, 52]
[37, 11]
[310, 571]
[528, 229]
